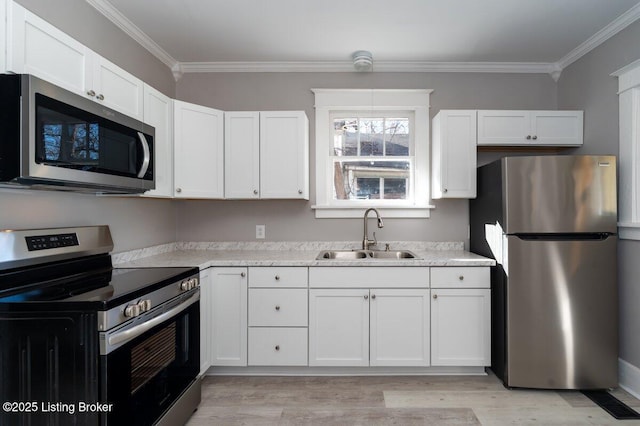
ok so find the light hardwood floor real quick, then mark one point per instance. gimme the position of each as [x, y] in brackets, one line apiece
[415, 400]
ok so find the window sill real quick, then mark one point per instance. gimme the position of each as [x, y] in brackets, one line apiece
[337, 212]
[629, 231]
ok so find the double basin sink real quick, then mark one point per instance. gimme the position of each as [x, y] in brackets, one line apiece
[366, 255]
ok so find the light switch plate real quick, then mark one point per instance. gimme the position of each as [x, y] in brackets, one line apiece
[260, 232]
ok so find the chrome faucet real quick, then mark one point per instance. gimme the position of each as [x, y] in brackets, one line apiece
[366, 242]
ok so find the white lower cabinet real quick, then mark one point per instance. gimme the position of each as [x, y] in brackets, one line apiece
[228, 317]
[205, 319]
[278, 316]
[339, 327]
[362, 327]
[460, 317]
[399, 327]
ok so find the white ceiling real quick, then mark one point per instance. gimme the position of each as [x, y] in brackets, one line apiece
[324, 33]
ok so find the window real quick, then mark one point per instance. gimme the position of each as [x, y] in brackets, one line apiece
[372, 150]
[629, 157]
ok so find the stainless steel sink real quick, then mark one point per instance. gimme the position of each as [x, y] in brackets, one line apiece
[343, 254]
[395, 254]
[365, 254]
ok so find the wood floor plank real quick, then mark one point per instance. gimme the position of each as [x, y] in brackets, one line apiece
[378, 416]
[548, 416]
[473, 399]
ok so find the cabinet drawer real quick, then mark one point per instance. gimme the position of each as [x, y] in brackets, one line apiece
[274, 307]
[277, 346]
[278, 277]
[460, 277]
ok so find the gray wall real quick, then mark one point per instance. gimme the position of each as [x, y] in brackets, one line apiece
[587, 85]
[135, 223]
[294, 220]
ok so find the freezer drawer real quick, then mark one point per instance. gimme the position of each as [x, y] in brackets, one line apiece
[562, 310]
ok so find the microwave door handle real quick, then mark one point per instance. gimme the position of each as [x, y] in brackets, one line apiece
[147, 155]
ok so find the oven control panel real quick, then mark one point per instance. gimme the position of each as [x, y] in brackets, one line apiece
[45, 242]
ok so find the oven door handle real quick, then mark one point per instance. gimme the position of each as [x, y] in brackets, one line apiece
[130, 334]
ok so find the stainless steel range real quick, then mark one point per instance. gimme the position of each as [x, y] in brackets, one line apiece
[84, 343]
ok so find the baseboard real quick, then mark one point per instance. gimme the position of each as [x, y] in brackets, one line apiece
[345, 371]
[629, 377]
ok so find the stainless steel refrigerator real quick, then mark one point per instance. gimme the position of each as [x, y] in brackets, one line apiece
[550, 222]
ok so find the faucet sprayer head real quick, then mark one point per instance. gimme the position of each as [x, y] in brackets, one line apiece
[380, 223]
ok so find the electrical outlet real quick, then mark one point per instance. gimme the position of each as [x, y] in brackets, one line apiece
[260, 232]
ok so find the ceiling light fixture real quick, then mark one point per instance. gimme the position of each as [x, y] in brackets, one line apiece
[362, 60]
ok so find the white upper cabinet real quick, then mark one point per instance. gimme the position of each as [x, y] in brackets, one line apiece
[158, 112]
[454, 154]
[117, 89]
[284, 154]
[267, 155]
[198, 151]
[530, 128]
[242, 154]
[36, 47]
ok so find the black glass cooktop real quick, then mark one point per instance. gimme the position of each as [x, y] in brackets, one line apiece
[70, 286]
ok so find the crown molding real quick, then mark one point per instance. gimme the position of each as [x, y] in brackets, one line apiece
[122, 22]
[613, 28]
[554, 69]
[378, 66]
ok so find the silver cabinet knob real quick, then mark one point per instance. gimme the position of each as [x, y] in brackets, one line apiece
[100, 97]
[528, 137]
[91, 93]
[299, 191]
[277, 347]
[277, 307]
[534, 138]
[242, 274]
[435, 296]
[445, 190]
[461, 277]
[178, 190]
[373, 296]
[255, 192]
[277, 277]
[366, 297]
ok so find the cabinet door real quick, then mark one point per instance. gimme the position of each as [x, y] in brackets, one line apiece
[242, 155]
[339, 328]
[206, 299]
[158, 112]
[117, 89]
[503, 127]
[399, 327]
[284, 155]
[228, 323]
[36, 47]
[454, 154]
[198, 146]
[557, 128]
[460, 327]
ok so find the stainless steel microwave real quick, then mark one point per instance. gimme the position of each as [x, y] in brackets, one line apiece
[51, 138]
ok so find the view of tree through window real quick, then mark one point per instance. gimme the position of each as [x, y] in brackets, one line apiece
[71, 142]
[372, 158]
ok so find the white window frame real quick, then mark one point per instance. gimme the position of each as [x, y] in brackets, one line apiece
[330, 101]
[629, 155]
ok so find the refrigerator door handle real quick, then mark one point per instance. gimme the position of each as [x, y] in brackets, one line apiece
[594, 236]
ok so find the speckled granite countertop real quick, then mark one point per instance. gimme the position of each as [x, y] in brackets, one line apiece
[204, 255]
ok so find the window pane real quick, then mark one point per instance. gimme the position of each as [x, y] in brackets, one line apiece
[395, 189]
[345, 137]
[396, 136]
[354, 179]
[371, 136]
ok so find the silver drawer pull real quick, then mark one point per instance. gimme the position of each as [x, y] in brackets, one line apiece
[366, 297]
[277, 307]
[242, 274]
[435, 296]
[461, 277]
[277, 347]
[277, 277]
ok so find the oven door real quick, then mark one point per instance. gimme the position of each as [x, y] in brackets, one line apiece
[148, 363]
